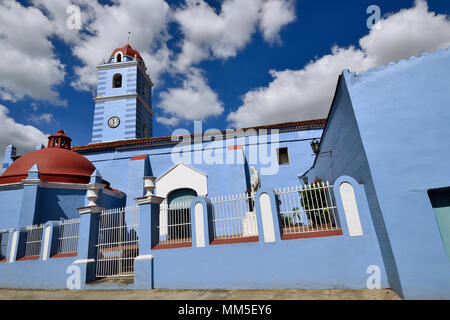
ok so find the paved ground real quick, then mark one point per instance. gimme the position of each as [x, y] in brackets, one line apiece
[165, 294]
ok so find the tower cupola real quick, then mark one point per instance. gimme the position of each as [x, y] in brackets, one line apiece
[59, 140]
[124, 54]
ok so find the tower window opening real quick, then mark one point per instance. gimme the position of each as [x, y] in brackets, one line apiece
[56, 141]
[119, 57]
[143, 89]
[117, 80]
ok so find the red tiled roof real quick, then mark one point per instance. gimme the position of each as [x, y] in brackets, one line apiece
[128, 51]
[56, 163]
[287, 126]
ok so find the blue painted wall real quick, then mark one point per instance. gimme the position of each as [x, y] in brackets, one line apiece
[59, 204]
[336, 262]
[440, 201]
[11, 201]
[35, 274]
[342, 153]
[387, 132]
[403, 117]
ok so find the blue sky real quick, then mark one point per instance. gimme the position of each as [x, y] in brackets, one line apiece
[228, 63]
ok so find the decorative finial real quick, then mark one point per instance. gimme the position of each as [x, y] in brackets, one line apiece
[128, 39]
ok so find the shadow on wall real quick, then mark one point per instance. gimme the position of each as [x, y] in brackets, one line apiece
[57, 204]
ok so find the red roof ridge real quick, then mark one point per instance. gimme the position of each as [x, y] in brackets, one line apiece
[308, 124]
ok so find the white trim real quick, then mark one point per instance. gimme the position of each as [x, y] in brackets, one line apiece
[199, 225]
[350, 209]
[89, 210]
[182, 176]
[115, 56]
[12, 249]
[83, 261]
[149, 199]
[144, 257]
[126, 96]
[60, 185]
[178, 164]
[267, 218]
[46, 243]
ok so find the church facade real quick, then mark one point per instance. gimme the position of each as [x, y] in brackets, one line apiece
[357, 200]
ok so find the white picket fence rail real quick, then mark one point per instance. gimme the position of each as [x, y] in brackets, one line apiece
[233, 217]
[307, 208]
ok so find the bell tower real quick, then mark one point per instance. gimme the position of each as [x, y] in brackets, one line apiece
[123, 105]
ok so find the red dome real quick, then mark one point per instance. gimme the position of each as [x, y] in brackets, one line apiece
[127, 51]
[56, 163]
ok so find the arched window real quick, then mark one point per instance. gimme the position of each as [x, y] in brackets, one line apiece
[119, 57]
[179, 214]
[117, 81]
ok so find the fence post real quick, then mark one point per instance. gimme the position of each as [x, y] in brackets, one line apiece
[49, 241]
[351, 200]
[14, 245]
[267, 215]
[148, 238]
[87, 241]
[201, 222]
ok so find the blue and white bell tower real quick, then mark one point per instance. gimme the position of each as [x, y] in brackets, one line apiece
[123, 105]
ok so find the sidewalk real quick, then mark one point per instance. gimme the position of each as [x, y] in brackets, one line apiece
[166, 294]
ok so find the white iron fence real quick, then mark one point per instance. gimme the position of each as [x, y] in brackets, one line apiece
[68, 236]
[33, 240]
[308, 208]
[234, 217]
[4, 243]
[117, 244]
[175, 223]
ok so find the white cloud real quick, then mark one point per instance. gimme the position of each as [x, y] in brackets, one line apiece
[28, 66]
[24, 137]
[208, 34]
[41, 118]
[275, 14]
[147, 20]
[193, 101]
[106, 27]
[307, 93]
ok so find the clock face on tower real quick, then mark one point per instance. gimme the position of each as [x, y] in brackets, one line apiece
[113, 122]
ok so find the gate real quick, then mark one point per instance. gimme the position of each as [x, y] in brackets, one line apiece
[117, 244]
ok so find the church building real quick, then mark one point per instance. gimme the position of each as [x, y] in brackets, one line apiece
[358, 200]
